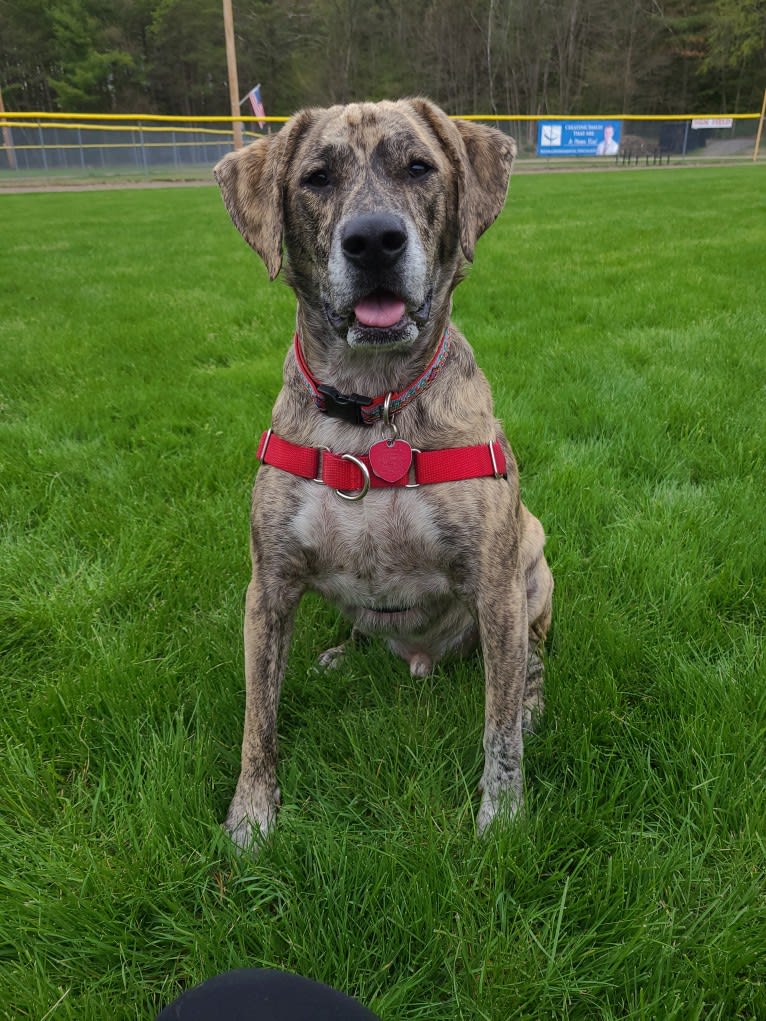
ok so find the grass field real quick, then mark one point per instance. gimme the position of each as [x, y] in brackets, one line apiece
[621, 320]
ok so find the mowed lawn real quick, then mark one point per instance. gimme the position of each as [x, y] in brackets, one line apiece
[620, 317]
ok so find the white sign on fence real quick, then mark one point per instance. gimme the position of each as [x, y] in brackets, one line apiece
[712, 122]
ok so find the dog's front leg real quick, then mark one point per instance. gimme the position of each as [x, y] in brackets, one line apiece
[502, 613]
[268, 627]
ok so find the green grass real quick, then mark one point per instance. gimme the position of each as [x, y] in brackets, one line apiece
[620, 318]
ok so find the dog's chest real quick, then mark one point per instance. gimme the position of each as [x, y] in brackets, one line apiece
[388, 546]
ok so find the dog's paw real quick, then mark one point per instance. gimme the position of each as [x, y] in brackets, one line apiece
[249, 825]
[501, 808]
[421, 665]
[248, 835]
[332, 658]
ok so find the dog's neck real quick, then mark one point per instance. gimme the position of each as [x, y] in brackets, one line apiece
[366, 409]
[366, 370]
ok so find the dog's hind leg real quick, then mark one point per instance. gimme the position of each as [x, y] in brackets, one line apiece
[534, 700]
[539, 585]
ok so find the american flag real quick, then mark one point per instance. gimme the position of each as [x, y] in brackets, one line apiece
[256, 101]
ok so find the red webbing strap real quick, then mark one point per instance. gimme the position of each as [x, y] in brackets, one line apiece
[338, 472]
[302, 461]
[459, 463]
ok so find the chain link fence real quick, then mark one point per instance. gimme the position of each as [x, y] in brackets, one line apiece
[45, 150]
[48, 151]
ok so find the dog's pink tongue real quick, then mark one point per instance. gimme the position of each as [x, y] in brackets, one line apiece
[379, 310]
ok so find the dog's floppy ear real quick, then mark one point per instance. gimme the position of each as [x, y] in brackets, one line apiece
[482, 158]
[490, 158]
[252, 184]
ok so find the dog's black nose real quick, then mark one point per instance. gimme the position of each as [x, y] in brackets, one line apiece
[374, 241]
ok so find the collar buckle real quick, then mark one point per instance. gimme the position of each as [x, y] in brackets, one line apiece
[345, 406]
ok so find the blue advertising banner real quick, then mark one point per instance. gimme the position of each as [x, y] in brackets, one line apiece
[578, 138]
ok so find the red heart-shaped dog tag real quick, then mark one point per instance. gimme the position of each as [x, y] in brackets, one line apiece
[390, 460]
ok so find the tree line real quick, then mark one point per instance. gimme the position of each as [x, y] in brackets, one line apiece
[471, 56]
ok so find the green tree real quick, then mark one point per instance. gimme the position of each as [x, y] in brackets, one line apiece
[737, 51]
[525, 56]
[278, 44]
[187, 56]
[91, 71]
[26, 54]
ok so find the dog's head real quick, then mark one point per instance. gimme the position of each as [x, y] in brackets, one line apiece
[377, 205]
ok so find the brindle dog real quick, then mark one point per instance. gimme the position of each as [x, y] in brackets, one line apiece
[379, 206]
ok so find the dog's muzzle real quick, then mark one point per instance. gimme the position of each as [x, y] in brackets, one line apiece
[378, 281]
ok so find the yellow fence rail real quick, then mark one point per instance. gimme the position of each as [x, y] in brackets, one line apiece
[71, 144]
[136, 118]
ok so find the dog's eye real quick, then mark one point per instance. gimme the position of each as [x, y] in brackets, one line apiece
[419, 169]
[318, 179]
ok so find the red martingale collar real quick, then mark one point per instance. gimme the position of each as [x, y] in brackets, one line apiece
[363, 410]
[353, 475]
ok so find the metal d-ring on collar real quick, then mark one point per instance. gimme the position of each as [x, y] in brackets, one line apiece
[358, 494]
[498, 473]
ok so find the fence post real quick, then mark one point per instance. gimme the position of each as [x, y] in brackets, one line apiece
[42, 146]
[143, 148]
